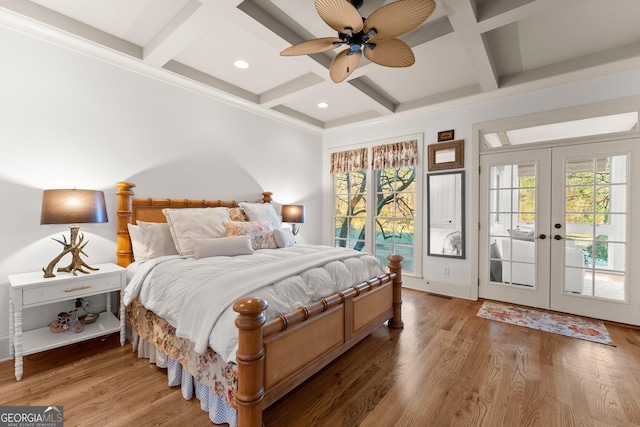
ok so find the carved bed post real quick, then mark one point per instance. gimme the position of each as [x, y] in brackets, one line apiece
[266, 196]
[125, 193]
[395, 266]
[250, 358]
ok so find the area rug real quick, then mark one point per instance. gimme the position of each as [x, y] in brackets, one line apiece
[571, 326]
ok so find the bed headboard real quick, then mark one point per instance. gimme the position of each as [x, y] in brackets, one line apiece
[131, 209]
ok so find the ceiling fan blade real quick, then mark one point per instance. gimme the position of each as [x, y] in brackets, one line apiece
[343, 65]
[391, 53]
[312, 46]
[339, 15]
[399, 17]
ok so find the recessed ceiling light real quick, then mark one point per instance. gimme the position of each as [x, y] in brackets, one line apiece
[241, 64]
[322, 105]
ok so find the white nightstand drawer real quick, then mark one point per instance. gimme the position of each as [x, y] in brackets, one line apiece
[69, 290]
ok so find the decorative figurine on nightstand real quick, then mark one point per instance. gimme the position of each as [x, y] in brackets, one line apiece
[62, 324]
[72, 207]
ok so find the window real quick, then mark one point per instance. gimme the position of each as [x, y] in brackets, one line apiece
[600, 125]
[375, 204]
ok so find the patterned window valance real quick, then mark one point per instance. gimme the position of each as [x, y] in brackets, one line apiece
[396, 155]
[349, 161]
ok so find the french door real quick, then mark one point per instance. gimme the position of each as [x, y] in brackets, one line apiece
[556, 229]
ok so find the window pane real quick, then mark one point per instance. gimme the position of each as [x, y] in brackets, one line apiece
[405, 179]
[386, 207]
[350, 182]
[405, 205]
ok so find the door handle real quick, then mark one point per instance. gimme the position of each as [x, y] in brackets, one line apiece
[557, 237]
[542, 236]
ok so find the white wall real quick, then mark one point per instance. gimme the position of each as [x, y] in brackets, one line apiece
[463, 273]
[69, 120]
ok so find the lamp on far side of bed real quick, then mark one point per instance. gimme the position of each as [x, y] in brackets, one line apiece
[72, 207]
[295, 214]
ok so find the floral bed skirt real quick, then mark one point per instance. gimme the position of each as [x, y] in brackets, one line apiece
[206, 376]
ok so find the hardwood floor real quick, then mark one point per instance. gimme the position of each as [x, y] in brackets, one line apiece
[446, 368]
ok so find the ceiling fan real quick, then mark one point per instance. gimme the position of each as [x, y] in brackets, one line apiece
[375, 36]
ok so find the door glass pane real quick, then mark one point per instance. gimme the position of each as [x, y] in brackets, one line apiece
[512, 216]
[595, 214]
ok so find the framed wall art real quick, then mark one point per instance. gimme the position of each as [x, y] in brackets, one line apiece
[446, 155]
[445, 135]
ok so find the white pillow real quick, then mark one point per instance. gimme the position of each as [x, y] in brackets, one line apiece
[222, 246]
[195, 223]
[261, 212]
[157, 239]
[137, 242]
[284, 237]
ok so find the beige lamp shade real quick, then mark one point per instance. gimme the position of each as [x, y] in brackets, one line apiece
[73, 207]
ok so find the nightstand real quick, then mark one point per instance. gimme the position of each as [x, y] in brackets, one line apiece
[32, 290]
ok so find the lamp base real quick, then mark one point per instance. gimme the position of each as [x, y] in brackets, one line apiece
[75, 248]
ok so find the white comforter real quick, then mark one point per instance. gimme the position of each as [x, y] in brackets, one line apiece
[196, 296]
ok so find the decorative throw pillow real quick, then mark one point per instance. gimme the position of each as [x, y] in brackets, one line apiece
[259, 232]
[261, 212]
[195, 223]
[157, 239]
[222, 246]
[237, 214]
[284, 237]
[137, 242]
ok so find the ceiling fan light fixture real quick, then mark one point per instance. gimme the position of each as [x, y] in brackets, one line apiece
[364, 34]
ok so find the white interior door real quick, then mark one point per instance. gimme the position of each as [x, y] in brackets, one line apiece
[555, 229]
[593, 232]
[515, 205]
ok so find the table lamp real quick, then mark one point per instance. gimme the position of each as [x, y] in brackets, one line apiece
[293, 214]
[72, 207]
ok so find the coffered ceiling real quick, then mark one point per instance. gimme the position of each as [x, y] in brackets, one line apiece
[467, 50]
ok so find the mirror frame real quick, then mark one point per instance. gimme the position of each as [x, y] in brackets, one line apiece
[462, 254]
[456, 163]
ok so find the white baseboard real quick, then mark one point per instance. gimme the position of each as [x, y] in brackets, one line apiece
[450, 289]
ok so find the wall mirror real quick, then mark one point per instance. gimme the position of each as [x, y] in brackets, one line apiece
[445, 223]
[446, 155]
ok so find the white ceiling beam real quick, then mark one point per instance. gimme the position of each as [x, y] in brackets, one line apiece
[206, 79]
[62, 23]
[463, 20]
[189, 24]
[298, 115]
[497, 14]
[619, 59]
[293, 89]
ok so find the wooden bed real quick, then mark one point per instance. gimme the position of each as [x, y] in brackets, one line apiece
[274, 357]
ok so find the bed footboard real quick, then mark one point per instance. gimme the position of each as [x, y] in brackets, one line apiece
[275, 357]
